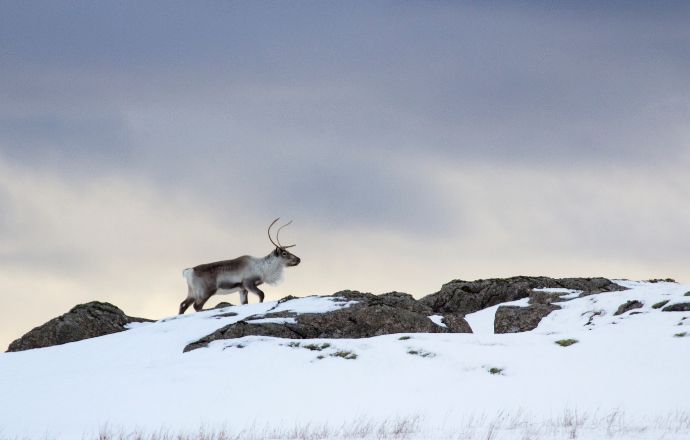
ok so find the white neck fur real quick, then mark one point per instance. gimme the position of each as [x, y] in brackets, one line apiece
[271, 269]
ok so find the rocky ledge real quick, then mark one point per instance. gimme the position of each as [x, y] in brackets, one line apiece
[465, 297]
[81, 322]
[365, 315]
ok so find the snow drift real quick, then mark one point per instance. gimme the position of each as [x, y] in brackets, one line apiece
[634, 364]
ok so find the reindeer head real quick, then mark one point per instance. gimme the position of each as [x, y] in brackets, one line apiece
[281, 252]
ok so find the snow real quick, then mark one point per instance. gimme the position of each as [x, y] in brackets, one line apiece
[313, 304]
[630, 365]
[438, 320]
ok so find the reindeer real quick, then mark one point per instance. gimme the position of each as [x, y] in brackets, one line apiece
[244, 273]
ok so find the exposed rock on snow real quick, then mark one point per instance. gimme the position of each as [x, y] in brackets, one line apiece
[515, 319]
[222, 305]
[628, 306]
[549, 297]
[82, 322]
[372, 315]
[463, 297]
[679, 307]
[368, 315]
[456, 323]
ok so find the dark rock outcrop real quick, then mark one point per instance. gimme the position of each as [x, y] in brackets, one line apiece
[222, 305]
[372, 315]
[456, 323]
[628, 306]
[82, 322]
[544, 298]
[589, 286]
[463, 297]
[515, 319]
[679, 307]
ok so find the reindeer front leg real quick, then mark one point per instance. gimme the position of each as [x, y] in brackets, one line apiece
[243, 296]
[251, 286]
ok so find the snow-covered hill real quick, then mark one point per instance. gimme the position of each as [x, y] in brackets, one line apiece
[627, 376]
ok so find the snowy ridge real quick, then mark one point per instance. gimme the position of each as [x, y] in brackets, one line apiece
[633, 367]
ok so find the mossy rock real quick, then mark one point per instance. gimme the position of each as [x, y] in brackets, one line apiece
[660, 304]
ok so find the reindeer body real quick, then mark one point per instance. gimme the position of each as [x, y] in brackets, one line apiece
[241, 274]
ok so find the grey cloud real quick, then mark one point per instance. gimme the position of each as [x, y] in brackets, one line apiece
[318, 109]
[58, 140]
[364, 193]
[469, 82]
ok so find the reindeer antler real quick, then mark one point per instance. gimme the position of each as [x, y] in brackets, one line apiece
[278, 236]
[269, 232]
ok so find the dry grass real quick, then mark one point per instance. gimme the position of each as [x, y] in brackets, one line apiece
[571, 424]
[393, 429]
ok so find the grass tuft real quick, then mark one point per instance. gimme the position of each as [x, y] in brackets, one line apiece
[345, 354]
[681, 335]
[404, 338]
[566, 342]
[316, 347]
[494, 370]
[421, 353]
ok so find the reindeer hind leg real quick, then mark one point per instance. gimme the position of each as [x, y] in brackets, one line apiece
[185, 304]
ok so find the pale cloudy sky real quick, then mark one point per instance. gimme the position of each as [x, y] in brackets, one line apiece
[411, 143]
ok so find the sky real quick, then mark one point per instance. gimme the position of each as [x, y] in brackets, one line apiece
[411, 143]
